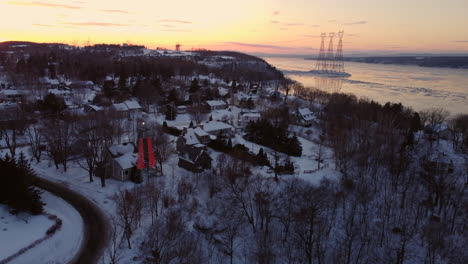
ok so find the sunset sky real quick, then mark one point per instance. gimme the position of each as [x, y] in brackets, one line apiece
[269, 26]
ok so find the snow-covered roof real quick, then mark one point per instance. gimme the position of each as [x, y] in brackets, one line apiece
[127, 161]
[223, 91]
[120, 107]
[58, 92]
[215, 102]
[215, 126]
[46, 80]
[95, 107]
[121, 149]
[438, 127]
[306, 114]
[132, 105]
[190, 137]
[10, 92]
[251, 116]
[200, 132]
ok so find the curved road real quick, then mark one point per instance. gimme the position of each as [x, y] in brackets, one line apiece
[95, 235]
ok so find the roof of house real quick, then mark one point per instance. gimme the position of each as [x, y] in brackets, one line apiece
[132, 105]
[10, 92]
[251, 116]
[58, 92]
[121, 149]
[200, 132]
[120, 107]
[215, 102]
[127, 161]
[95, 107]
[190, 137]
[306, 114]
[215, 126]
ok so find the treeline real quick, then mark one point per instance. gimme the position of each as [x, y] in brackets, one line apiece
[96, 62]
[275, 136]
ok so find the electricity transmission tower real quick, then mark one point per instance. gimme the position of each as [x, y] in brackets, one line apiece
[339, 62]
[321, 60]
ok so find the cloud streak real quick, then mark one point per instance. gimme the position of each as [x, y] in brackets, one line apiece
[251, 45]
[42, 25]
[176, 21]
[100, 24]
[460, 41]
[43, 4]
[362, 22]
[176, 30]
[114, 11]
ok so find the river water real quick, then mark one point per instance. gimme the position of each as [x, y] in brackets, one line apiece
[413, 86]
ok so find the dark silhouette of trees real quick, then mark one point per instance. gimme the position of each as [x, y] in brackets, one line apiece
[274, 136]
[17, 190]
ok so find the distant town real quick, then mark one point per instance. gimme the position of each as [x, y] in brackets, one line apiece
[199, 156]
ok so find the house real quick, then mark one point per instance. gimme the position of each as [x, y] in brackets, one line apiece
[192, 137]
[216, 128]
[11, 95]
[216, 104]
[245, 118]
[438, 131]
[134, 108]
[92, 108]
[195, 159]
[81, 85]
[121, 160]
[49, 83]
[181, 109]
[65, 94]
[305, 116]
[129, 109]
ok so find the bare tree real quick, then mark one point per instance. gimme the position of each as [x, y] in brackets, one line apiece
[35, 137]
[434, 116]
[163, 147]
[125, 203]
[12, 124]
[114, 248]
[90, 145]
[197, 111]
[152, 197]
[167, 241]
[58, 135]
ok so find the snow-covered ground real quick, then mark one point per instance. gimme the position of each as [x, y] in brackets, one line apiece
[23, 229]
[60, 248]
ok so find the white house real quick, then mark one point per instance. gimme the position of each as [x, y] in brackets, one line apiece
[216, 104]
[10, 95]
[305, 116]
[215, 128]
[130, 108]
[121, 160]
[245, 118]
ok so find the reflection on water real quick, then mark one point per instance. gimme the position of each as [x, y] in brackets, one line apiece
[416, 87]
[331, 85]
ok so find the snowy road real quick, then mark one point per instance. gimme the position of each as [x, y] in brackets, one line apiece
[95, 235]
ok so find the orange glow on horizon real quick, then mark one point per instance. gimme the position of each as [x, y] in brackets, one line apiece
[269, 26]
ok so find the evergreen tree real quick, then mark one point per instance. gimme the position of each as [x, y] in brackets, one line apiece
[195, 86]
[16, 189]
[171, 112]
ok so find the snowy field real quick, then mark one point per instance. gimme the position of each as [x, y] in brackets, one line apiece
[60, 248]
[24, 230]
